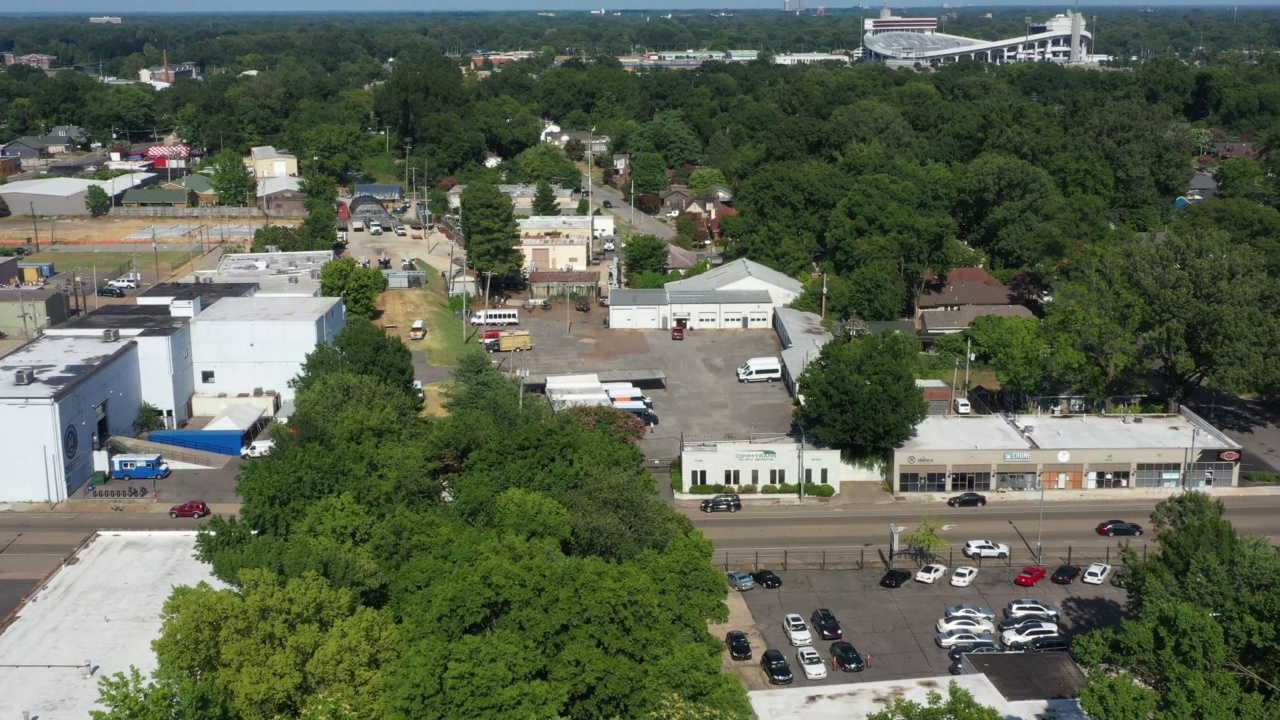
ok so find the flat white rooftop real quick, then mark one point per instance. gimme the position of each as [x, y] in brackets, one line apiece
[57, 362]
[858, 700]
[973, 432]
[280, 309]
[103, 609]
[1109, 431]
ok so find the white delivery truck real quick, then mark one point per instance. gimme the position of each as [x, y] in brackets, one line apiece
[628, 394]
[638, 409]
[760, 369]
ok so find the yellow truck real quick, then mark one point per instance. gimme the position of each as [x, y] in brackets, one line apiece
[507, 340]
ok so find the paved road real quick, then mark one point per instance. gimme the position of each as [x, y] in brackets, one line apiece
[1253, 424]
[1014, 523]
[644, 224]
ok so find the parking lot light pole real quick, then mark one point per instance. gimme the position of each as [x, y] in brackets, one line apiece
[800, 460]
[1040, 525]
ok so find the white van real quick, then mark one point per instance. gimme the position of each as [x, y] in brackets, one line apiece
[257, 448]
[357, 226]
[760, 369]
[495, 317]
[961, 406]
[628, 394]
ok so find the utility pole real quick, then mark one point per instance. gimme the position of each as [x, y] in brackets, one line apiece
[824, 297]
[156, 250]
[464, 300]
[408, 145]
[632, 199]
[34, 227]
[968, 353]
[800, 460]
[590, 210]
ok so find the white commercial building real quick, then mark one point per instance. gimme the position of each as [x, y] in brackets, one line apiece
[809, 58]
[244, 344]
[585, 226]
[95, 617]
[277, 274]
[740, 295]
[59, 397]
[803, 337]
[758, 463]
[63, 195]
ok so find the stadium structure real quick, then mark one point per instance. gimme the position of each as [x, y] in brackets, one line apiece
[899, 40]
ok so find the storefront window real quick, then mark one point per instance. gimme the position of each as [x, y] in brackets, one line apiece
[1208, 474]
[967, 481]
[1158, 475]
[1016, 481]
[777, 477]
[1109, 480]
[731, 477]
[697, 477]
[926, 482]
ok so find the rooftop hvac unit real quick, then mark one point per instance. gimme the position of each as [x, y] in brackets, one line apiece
[207, 280]
[257, 392]
[315, 274]
[1028, 429]
[24, 376]
[110, 335]
[293, 279]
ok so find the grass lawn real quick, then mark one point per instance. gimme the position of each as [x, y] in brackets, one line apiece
[108, 260]
[985, 377]
[445, 341]
[433, 399]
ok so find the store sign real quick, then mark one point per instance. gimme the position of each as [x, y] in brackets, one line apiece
[1229, 455]
[1017, 457]
[912, 460]
[757, 456]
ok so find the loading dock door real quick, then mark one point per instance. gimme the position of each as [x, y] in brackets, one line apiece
[647, 318]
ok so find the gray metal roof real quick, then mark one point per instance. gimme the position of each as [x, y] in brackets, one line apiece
[623, 297]
[733, 272]
[718, 297]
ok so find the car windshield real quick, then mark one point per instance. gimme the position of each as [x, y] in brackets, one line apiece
[795, 624]
[778, 664]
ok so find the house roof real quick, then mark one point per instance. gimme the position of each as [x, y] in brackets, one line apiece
[382, 191]
[680, 259]
[267, 152]
[675, 190]
[64, 132]
[200, 183]
[272, 185]
[30, 141]
[1031, 676]
[625, 297]
[155, 195]
[965, 286]
[941, 321]
[718, 297]
[730, 273]
[567, 276]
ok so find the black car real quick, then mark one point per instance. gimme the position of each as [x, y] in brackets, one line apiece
[825, 622]
[109, 291]
[1111, 528]
[968, 500]
[973, 648]
[894, 578]
[1044, 643]
[766, 579]
[776, 668]
[21, 252]
[739, 646]
[607, 203]
[722, 503]
[956, 668]
[1065, 574]
[1025, 620]
[846, 657]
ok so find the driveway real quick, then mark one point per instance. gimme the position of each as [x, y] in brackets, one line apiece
[1253, 424]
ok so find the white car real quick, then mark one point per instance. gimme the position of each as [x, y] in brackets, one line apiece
[1096, 574]
[1027, 606]
[929, 573]
[986, 549]
[965, 623]
[812, 664]
[797, 632]
[608, 246]
[124, 283]
[973, 611]
[963, 576]
[257, 448]
[401, 231]
[1028, 632]
[951, 638]
[673, 213]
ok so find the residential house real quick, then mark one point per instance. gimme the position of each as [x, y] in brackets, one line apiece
[280, 193]
[595, 144]
[948, 306]
[707, 214]
[169, 73]
[1203, 187]
[198, 184]
[24, 148]
[676, 197]
[1225, 151]
[389, 195]
[63, 139]
[157, 197]
[679, 259]
[10, 165]
[267, 162]
[35, 60]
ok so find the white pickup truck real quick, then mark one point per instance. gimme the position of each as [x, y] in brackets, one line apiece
[127, 282]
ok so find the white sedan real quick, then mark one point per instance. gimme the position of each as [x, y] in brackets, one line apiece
[608, 246]
[1096, 574]
[965, 623]
[973, 611]
[963, 576]
[1028, 632]
[986, 549]
[929, 573]
[797, 632]
[951, 638]
[812, 664]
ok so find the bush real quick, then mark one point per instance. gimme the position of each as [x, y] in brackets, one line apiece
[788, 489]
[1256, 477]
[677, 475]
[769, 489]
[706, 489]
[823, 490]
[747, 490]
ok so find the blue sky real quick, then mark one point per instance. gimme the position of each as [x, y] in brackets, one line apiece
[124, 7]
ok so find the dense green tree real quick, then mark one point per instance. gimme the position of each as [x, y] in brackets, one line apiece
[490, 230]
[1245, 222]
[703, 179]
[547, 163]
[959, 704]
[644, 254]
[669, 136]
[509, 126]
[1241, 178]
[359, 287]
[1000, 199]
[360, 348]
[1014, 347]
[233, 182]
[648, 173]
[860, 393]
[96, 201]
[544, 201]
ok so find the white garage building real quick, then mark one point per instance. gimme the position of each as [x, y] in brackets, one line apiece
[739, 296]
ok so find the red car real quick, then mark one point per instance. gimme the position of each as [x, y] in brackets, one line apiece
[1030, 576]
[677, 333]
[192, 509]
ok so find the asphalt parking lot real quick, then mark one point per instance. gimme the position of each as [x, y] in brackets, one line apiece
[896, 627]
[701, 396]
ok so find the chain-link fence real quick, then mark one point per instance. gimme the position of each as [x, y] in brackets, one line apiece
[877, 558]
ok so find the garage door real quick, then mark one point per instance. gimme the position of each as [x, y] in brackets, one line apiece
[732, 320]
[708, 320]
[758, 319]
[647, 318]
[622, 318]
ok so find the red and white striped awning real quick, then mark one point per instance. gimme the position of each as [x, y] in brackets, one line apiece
[168, 151]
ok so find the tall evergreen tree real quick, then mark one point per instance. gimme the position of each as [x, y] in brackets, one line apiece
[489, 230]
[544, 201]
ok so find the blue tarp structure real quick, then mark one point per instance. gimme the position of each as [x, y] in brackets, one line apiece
[223, 442]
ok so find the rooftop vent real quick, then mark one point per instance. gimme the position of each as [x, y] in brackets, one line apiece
[257, 392]
[1028, 429]
[110, 335]
[24, 376]
[293, 279]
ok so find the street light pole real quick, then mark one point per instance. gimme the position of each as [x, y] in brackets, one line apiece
[34, 227]
[800, 455]
[1040, 525]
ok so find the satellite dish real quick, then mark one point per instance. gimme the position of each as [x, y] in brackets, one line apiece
[1064, 456]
